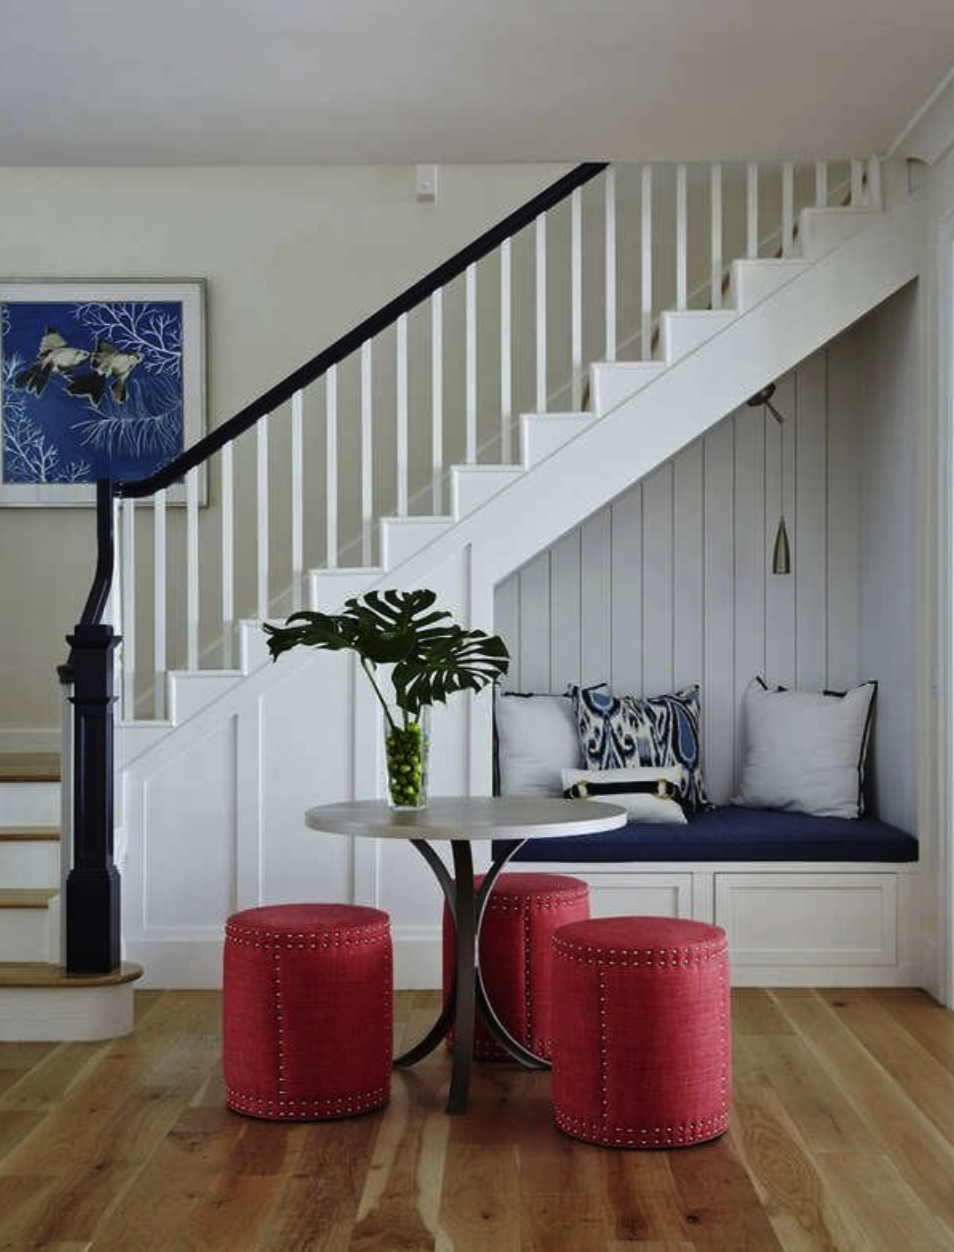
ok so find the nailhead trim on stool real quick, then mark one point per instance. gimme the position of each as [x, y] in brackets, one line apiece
[307, 1010]
[642, 1044]
[522, 914]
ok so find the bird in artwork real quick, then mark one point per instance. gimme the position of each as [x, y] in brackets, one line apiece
[110, 368]
[54, 356]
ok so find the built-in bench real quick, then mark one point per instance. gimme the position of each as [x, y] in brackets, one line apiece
[805, 900]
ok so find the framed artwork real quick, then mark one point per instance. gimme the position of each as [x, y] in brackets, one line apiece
[97, 379]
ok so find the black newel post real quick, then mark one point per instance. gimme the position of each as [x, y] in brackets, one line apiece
[92, 887]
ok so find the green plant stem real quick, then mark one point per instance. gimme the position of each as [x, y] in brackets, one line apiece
[369, 670]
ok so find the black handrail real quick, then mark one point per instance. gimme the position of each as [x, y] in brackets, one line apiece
[371, 326]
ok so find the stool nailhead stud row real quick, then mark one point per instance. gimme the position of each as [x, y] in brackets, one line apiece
[307, 1011]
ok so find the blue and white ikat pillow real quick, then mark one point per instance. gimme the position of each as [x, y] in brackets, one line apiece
[618, 732]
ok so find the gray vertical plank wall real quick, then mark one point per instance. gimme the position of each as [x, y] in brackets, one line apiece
[672, 583]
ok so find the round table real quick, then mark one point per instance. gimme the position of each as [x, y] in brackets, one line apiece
[461, 821]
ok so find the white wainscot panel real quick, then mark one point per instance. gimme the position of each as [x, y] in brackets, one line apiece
[620, 894]
[305, 756]
[809, 919]
[189, 836]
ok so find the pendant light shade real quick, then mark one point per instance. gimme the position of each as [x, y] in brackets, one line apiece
[781, 555]
[781, 552]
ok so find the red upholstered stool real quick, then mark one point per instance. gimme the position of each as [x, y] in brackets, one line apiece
[641, 1046]
[307, 1011]
[516, 934]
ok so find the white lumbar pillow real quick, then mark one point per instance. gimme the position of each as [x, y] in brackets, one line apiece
[536, 739]
[655, 800]
[805, 750]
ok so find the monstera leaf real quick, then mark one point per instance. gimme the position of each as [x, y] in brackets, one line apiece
[432, 657]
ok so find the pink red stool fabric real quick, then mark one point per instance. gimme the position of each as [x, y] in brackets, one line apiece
[307, 1011]
[516, 934]
[642, 1042]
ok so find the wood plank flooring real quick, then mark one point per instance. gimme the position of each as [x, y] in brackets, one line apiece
[841, 1140]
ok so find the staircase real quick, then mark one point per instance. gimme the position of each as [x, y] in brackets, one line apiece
[38, 1000]
[211, 794]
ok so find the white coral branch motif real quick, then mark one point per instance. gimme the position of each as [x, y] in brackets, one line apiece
[148, 329]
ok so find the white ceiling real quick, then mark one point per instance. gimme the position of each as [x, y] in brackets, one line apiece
[147, 82]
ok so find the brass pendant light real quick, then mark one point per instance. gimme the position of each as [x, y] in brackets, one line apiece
[781, 551]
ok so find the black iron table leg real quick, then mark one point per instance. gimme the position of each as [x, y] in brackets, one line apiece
[467, 995]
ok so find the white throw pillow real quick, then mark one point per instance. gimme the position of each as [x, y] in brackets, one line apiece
[805, 750]
[655, 802]
[536, 739]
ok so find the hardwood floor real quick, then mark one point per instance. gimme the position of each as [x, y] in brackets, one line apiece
[842, 1140]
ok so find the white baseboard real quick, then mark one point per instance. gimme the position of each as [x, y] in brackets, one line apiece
[30, 739]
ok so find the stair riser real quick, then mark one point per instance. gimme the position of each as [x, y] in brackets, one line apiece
[30, 804]
[32, 863]
[822, 230]
[470, 487]
[752, 281]
[402, 538]
[27, 935]
[540, 435]
[614, 382]
[682, 333]
[329, 588]
[189, 693]
[65, 1013]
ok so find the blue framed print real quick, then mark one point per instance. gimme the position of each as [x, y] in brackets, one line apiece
[98, 379]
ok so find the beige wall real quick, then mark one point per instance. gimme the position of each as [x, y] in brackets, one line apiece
[292, 256]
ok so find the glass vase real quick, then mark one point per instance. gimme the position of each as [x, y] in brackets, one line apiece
[406, 751]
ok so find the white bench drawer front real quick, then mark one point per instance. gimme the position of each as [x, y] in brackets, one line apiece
[640, 895]
[809, 919]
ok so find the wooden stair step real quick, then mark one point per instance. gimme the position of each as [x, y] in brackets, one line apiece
[42, 974]
[29, 767]
[29, 834]
[26, 897]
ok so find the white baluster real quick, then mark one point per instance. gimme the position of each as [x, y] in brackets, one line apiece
[261, 462]
[297, 497]
[228, 556]
[506, 358]
[609, 232]
[129, 608]
[821, 184]
[874, 182]
[470, 367]
[752, 210]
[541, 312]
[715, 213]
[192, 568]
[367, 455]
[857, 182]
[331, 467]
[681, 283]
[576, 300]
[788, 207]
[437, 403]
[159, 599]
[646, 233]
[401, 432]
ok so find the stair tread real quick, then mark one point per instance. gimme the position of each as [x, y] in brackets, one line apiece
[29, 767]
[29, 834]
[26, 897]
[42, 974]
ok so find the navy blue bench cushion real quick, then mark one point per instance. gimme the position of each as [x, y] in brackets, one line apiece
[734, 834]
